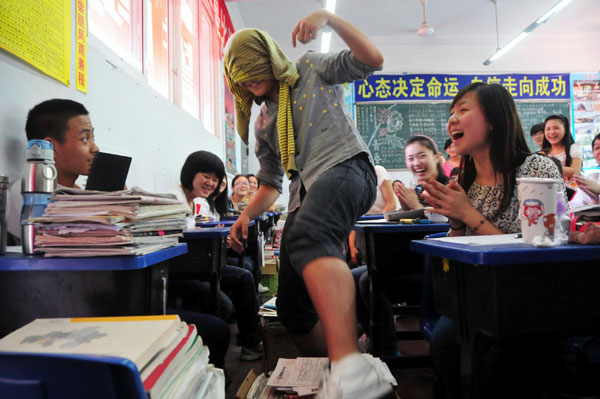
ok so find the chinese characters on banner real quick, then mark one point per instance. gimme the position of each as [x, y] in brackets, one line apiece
[81, 46]
[444, 87]
[38, 32]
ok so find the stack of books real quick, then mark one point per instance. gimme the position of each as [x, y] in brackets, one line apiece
[168, 353]
[96, 223]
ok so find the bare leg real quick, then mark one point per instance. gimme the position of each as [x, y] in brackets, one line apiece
[331, 288]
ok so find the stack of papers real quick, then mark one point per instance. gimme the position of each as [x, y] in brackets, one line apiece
[302, 376]
[95, 223]
[269, 308]
[168, 353]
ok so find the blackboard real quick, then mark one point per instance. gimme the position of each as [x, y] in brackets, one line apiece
[386, 127]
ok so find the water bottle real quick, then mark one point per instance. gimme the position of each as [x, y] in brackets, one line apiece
[39, 181]
[563, 221]
[3, 201]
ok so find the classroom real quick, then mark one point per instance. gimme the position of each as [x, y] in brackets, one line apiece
[452, 281]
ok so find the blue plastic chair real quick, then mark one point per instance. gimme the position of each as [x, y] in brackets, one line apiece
[60, 376]
[429, 316]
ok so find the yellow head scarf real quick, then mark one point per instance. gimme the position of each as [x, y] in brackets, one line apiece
[251, 54]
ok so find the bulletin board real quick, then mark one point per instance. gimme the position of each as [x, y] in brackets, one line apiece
[38, 32]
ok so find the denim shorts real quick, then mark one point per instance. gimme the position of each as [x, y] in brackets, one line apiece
[319, 228]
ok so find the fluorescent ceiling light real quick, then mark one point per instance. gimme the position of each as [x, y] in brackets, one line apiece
[326, 36]
[507, 47]
[501, 51]
[559, 6]
[325, 42]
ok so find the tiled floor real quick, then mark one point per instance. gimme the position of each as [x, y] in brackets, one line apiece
[412, 383]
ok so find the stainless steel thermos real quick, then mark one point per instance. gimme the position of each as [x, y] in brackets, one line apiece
[38, 183]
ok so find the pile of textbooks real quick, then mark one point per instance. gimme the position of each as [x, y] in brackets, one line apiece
[168, 353]
[96, 223]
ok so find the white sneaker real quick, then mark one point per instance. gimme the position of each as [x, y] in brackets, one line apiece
[262, 289]
[353, 378]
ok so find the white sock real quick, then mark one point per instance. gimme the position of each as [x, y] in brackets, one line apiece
[344, 363]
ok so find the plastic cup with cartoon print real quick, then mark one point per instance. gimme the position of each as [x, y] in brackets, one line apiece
[537, 209]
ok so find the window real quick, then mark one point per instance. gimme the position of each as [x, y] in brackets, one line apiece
[156, 56]
[209, 74]
[118, 24]
[188, 81]
[181, 40]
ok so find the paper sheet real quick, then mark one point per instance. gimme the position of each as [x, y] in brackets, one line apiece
[300, 372]
[498, 239]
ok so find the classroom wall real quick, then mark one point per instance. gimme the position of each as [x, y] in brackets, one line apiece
[128, 116]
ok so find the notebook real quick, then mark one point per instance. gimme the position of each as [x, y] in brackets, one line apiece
[108, 172]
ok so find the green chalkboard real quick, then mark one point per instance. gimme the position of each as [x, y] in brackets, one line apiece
[386, 127]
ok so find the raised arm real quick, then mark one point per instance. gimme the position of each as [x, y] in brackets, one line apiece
[361, 46]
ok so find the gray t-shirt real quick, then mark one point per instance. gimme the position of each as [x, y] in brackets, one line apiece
[487, 199]
[325, 134]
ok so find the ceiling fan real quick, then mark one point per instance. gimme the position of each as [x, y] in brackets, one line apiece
[425, 29]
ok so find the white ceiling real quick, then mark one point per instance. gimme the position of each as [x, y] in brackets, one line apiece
[465, 32]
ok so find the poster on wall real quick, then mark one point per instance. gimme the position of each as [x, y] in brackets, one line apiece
[586, 113]
[38, 32]
[81, 46]
[230, 159]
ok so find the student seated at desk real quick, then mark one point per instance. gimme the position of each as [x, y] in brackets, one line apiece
[254, 184]
[223, 205]
[454, 160]
[201, 176]
[537, 134]
[67, 125]
[240, 185]
[588, 187]
[558, 142]
[420, 156]
[487, 133]
[386, 200]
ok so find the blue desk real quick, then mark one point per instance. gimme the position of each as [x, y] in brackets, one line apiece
[207, 254]
[35, 287]
[15, 260]
[371, 217]
[225, 223]
[512, 290]
[387, 249]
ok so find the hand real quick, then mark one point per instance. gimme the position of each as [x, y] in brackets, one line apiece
[590, 187]
[450, 201]
[354, 255]
[409, 200]
[306, 30]
[239, 231]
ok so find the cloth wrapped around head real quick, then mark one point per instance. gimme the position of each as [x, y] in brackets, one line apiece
[251, 54]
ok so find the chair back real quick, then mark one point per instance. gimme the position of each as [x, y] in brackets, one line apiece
[59, 376]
